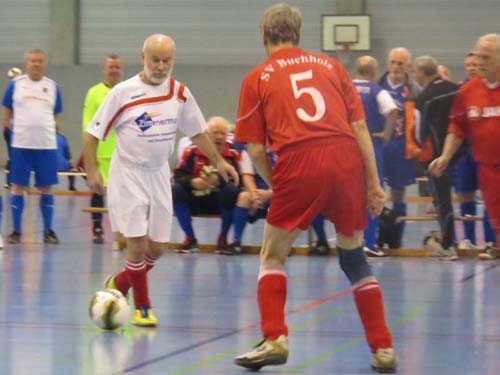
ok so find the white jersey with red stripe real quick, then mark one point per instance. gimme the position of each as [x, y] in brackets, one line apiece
[145, 119]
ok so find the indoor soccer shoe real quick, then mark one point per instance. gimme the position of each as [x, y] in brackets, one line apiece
[267, 352]
[384, 361]
[14, 238]
[50, 238]
[144, 317]
[190, 245]
[98, 234]
[488, 253]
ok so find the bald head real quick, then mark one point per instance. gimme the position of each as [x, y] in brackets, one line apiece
[487, 50]
[366, 68]
[398, 64]
[158, 52]
[158, 41]
[218, 128]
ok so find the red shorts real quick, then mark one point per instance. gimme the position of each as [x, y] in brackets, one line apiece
[323, 176]
[489, 182]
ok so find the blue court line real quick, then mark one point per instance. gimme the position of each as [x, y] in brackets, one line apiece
[305, 307]
[484, 270]
[179, 351]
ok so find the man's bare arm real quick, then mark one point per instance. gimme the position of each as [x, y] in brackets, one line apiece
[94, 178]
[365, 144]
[260, 160]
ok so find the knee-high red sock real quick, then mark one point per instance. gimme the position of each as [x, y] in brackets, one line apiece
[368, 298]
[271, 295]
[121, 279]
[137, 277]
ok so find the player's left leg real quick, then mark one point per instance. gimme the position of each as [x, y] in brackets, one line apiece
[136, 274]
[489, 179]
[271, 296]
[45, 167]
[368, 298]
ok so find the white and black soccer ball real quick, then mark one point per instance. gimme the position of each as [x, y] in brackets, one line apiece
[14, 72]
[109, 309]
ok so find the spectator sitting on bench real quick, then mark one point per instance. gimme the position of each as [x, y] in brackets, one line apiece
[198, 188]
[64, 161]
[252, 204]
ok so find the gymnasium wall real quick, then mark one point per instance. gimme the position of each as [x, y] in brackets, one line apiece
[218, 40]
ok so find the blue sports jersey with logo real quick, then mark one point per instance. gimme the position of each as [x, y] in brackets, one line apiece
[368, 92]
[399, 95]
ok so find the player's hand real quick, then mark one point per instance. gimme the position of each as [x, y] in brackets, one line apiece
[227, 171]
[199, 183]
[384, 136]
[260, 197]
[438, 166]
[95, 183]
[375, 198]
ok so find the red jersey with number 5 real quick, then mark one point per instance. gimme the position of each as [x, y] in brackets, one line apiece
[296, 96]
[475, 115]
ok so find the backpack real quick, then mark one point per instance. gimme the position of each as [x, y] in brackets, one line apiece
[389, 230]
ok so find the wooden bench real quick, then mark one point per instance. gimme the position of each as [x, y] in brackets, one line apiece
[435, 218]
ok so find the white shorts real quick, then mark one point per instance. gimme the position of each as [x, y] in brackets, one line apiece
[140, 201]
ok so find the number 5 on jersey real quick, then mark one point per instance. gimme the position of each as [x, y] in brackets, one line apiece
[319, 102]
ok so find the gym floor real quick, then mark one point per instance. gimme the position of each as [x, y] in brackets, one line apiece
[444, 316]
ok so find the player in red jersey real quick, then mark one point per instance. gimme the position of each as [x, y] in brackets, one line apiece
[305, 105]
[475, 116]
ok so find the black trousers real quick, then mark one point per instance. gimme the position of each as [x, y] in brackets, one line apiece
[442, 199]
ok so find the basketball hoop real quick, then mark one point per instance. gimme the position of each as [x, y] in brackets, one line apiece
[344, 53]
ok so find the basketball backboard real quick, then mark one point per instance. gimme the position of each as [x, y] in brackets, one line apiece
[345, 30]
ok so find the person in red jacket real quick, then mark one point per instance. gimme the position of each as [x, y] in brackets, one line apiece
[475, 116]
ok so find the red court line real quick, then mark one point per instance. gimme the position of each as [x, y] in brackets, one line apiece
[163, 357]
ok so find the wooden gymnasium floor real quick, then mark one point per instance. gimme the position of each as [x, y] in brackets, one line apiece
[444, 316]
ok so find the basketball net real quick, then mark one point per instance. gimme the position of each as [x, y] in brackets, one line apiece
[344, 54]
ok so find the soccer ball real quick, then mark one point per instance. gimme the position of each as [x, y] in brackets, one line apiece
[14, 72]
[109, 309]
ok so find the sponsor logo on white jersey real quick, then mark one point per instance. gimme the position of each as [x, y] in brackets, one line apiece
[145, 121]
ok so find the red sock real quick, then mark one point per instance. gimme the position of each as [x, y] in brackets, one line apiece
[368, 298]
[121, 282]
[121, 279]
[137, 277]
[271, 295]
[150, 262]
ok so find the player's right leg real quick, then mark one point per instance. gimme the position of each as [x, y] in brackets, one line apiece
[19, 176]
[368, 298]
[271, 296]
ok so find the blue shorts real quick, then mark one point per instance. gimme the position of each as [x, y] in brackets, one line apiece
[398, 170]
[43, 162]
[465, 174]
[378, 149]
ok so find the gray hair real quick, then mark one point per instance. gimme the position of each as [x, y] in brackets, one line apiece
[492, 38]
[35, 50]
[427, 64]
[281, 24]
